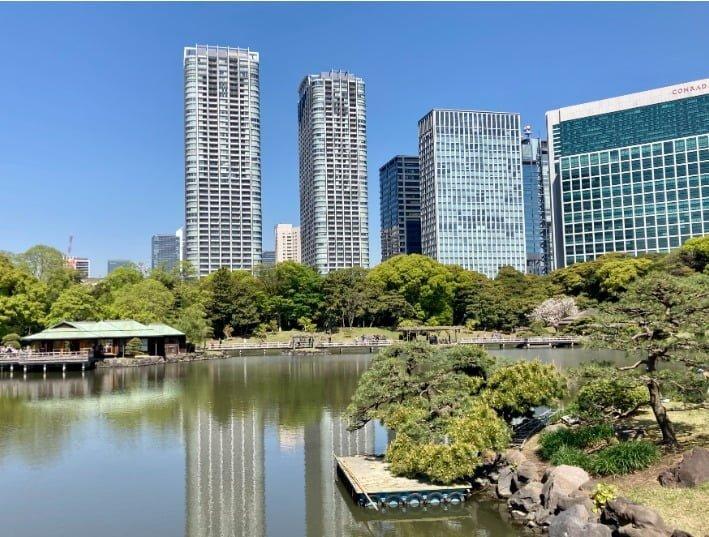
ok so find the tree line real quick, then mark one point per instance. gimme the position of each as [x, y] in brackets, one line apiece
[37, 290]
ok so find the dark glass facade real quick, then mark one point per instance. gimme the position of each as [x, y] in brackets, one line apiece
[400, 206]
[537, 218]
[165, 251]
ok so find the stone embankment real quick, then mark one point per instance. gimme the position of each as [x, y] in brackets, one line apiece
[558, 500]
[138, 361]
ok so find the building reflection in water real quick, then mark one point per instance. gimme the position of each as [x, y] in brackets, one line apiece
[225, 484]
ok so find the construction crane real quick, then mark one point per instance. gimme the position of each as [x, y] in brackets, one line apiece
[71, 241]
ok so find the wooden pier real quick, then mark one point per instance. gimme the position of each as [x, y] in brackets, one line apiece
[372, 485]
[31, 359]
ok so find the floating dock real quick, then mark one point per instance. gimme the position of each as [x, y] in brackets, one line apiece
[371, 484]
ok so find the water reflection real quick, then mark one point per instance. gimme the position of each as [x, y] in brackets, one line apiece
[251, 439]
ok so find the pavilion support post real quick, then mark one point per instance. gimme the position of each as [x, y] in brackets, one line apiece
[24, 369]
[63, 368]
[44, 368]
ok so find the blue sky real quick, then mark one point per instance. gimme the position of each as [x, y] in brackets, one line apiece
[91, 135]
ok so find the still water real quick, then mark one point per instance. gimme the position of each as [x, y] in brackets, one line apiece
[236, 447]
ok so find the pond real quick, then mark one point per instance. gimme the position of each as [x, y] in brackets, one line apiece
[235, 447]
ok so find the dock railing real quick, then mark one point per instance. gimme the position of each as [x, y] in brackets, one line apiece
[59, 357]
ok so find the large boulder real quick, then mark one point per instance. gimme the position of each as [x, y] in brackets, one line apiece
[692, 470]
[513, 457]
[634, 520]
[527, 499]
[561, 481]
[574, 522]
[505, 482]
[528, 471]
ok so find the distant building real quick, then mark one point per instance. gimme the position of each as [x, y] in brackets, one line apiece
[287, 243]
[180, 234]
[472, 210]
[268, 258]
[629, 174]
[165, 251]
[222, 158]
[537, 208]
[332, 142]
[82, 265]
[113, 264]
[400, 206]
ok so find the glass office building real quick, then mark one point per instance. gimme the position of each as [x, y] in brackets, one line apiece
[537, 209]
[630, 174]
[400, 206]
[165, 251]
[472, 210]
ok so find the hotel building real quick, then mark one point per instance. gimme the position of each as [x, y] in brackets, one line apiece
[472, 210]
[630, 174]
[332, 142]
[222, 158]
[287, 243]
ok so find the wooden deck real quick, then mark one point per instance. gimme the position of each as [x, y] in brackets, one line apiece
[27, 359]
[371, 484]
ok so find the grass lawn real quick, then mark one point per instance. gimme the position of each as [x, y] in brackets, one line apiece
[682, 508]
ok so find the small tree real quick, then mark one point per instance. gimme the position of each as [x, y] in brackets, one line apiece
[554, 310]
[133, 347]
[661, 318]
[228, 331]
[11, 340]
[306, 324]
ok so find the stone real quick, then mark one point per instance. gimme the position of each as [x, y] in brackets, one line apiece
[575, 523]
[561, 481]
[528, 471]
[542, 516]
[634, 520]
[505, 482]
[513, 457]
[527, 499]
[668, 477]
[681, 533]
[565, 502]
[693, 469]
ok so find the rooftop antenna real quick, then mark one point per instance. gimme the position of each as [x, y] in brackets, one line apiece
[527, 131]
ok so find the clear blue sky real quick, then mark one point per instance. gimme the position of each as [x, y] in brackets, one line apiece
[91, 134]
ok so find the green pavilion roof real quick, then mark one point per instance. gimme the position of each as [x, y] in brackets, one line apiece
[102, 330]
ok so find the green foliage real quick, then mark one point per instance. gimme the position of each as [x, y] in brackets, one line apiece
[11, 340]
[293, 291]
[41, 261]
[624, 458]
[147, 301]
[695, 253]
[613, 397]
[438, 401]
[602, 494]
[235, 299]
[192, 321]
[571, 456]
[133, 347]
[426, 285]
[578, 438]
[306, 324]
[75, 303]
[515, 389]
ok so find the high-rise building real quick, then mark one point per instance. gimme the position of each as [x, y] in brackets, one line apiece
[287, 243]
[81, 265]
[332, 140]
[268, 258]
[180, 234]
[472, 211]
[630, 174]
[165, 251]
[222, 158]
[113, 264]
[537, 208]
[400, 206]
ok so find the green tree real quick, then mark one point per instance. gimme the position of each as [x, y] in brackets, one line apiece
[11, 340]
[234, 299]
[74, 304]
[147, 301]
[192, 321]
[293, 291]
[346, 296]
[133, 347]
[661, 318]
[41, 261]
[695, 253]
[446, 406]
[423, 282]
[23, 298]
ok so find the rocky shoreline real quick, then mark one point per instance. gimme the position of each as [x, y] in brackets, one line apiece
[559, 500]
[140, 361]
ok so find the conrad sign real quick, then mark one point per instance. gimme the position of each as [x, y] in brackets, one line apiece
[691, 88]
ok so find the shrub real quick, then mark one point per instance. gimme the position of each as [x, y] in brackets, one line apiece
[624, 458]
[578, 438]
[571, 456]
[11, 340]
[602, 494]
[610, 397]
[133, 347]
